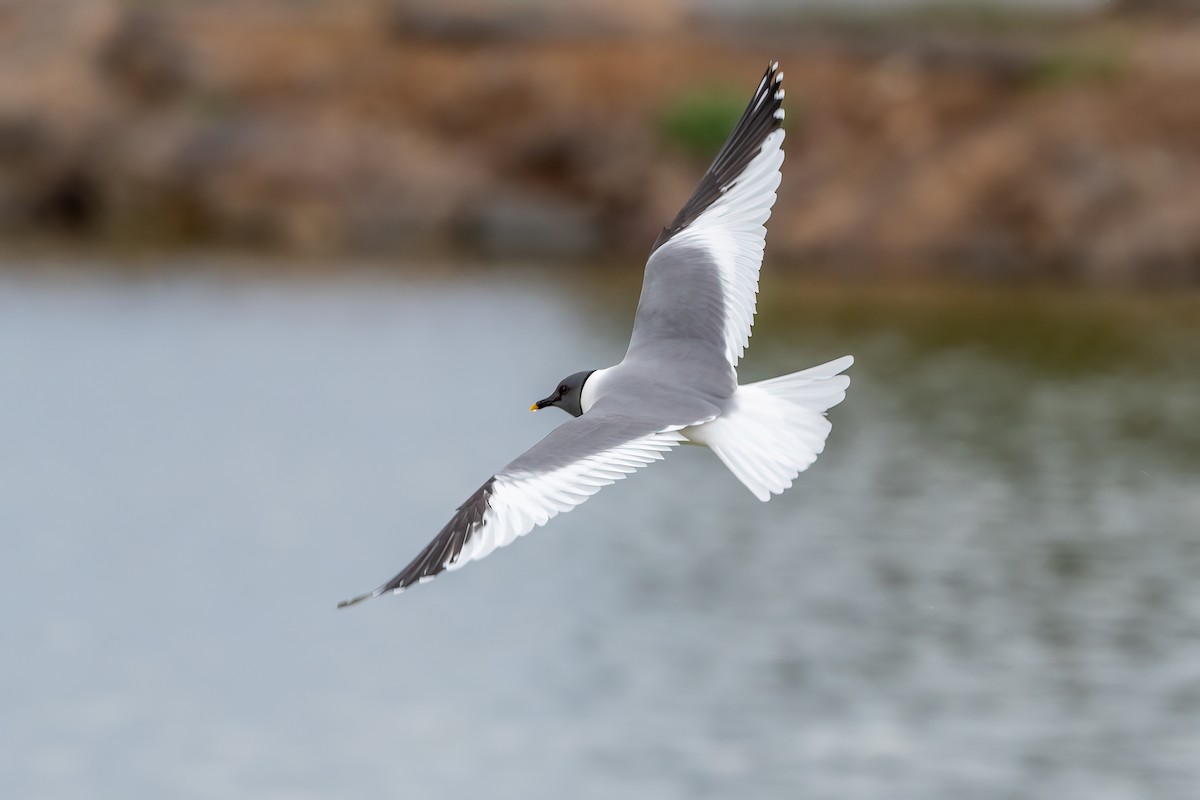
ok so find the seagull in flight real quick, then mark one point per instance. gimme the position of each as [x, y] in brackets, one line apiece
[678, 382]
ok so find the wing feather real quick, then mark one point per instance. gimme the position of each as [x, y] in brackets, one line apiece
[574, 462]
[719, 235]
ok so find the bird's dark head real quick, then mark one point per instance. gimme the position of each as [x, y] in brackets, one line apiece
[568, 396]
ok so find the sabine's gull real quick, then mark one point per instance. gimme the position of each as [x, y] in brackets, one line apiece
[678, 382]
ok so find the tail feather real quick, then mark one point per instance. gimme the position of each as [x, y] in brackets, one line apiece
[818, 388]
[776, 428]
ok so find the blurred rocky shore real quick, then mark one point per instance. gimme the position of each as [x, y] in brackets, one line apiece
[1062, 147]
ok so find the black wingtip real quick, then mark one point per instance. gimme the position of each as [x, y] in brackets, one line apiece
[356, 600]
[440, 553]
[762, 117]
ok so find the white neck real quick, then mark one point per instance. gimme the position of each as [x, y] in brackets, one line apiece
[592, 389]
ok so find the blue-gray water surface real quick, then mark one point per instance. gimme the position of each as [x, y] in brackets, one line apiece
[985, 588]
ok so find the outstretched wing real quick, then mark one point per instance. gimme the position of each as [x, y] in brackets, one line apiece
[567, 467]
[702, 276]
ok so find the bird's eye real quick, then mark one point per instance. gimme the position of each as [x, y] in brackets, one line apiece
[562, 389]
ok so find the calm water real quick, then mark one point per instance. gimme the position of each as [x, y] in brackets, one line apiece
[986, 588]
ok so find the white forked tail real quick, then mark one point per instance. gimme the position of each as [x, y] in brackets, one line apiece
[776, 428]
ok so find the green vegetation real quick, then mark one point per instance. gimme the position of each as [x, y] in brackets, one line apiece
[1076, 66]
[699, 121]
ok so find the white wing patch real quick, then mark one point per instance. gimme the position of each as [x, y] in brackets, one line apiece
[522, 501]
[734, 230]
